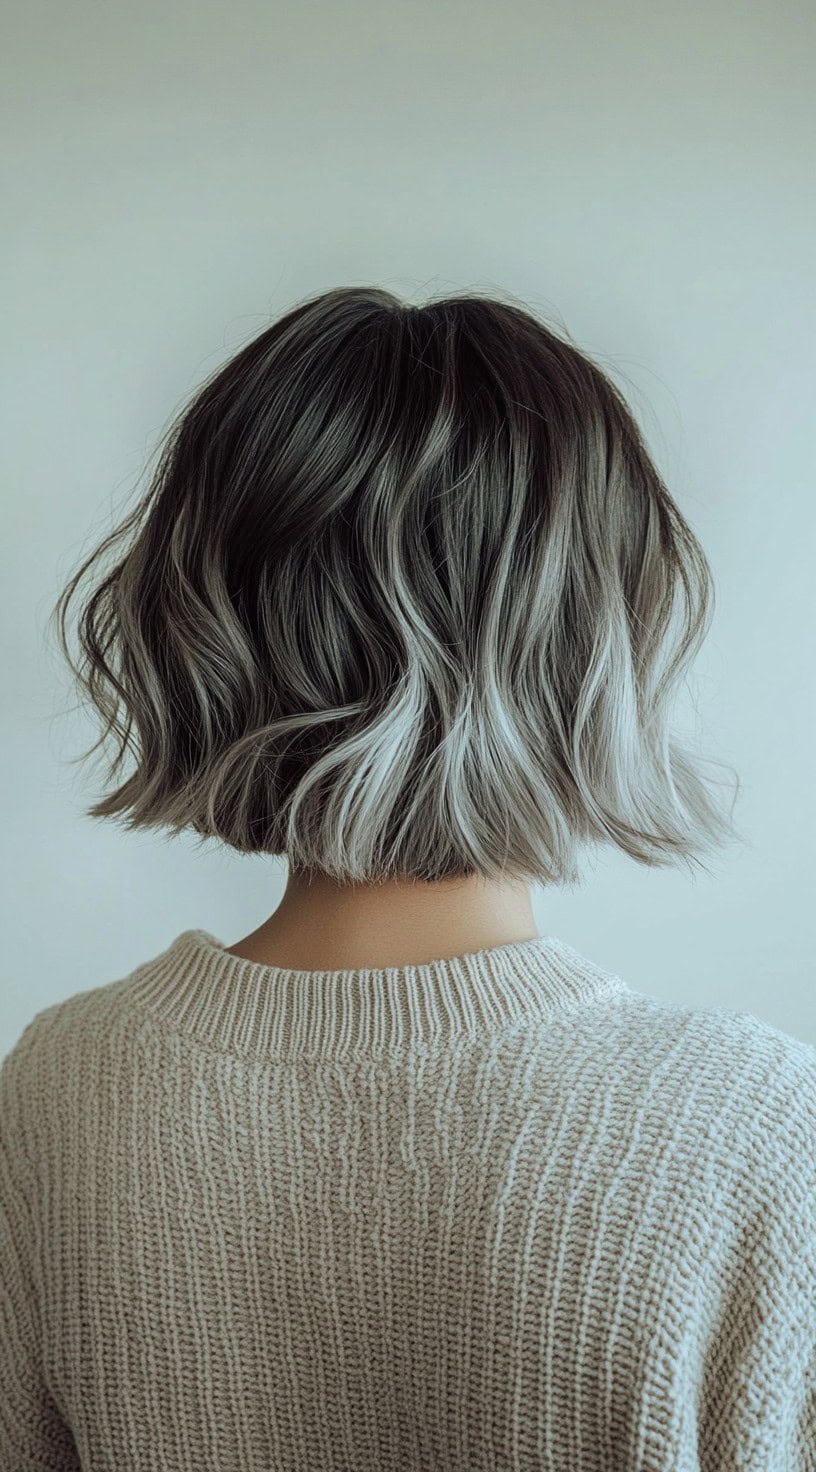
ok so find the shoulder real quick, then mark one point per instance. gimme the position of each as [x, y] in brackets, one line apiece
[741, 1078]
[757, 1054]
[62, 1039]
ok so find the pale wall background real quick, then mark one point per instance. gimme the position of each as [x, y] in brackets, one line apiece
[176, 175]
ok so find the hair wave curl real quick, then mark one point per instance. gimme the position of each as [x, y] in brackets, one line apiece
[398, 602]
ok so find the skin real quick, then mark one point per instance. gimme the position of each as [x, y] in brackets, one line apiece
[321, 925]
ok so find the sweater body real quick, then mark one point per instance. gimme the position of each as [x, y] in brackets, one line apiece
[582, 1239]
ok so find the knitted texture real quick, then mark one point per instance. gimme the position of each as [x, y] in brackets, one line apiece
[494, 1212]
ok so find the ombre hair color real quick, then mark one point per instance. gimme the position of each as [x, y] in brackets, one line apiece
[400, 602]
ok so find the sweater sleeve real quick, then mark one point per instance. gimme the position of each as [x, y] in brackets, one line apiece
[33, 1434]
[805, 1424]
[759, 1398]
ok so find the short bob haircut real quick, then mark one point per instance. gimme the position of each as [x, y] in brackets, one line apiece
[398, 604]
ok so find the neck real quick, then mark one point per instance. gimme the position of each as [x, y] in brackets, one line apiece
[321, 924]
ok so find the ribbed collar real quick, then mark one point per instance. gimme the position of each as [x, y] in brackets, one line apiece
[198, 988]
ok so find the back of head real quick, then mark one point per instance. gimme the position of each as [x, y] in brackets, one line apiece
[399, 602]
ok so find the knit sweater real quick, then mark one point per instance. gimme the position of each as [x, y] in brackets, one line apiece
[492, 1212]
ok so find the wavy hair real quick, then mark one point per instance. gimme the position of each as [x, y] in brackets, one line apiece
[399, 602]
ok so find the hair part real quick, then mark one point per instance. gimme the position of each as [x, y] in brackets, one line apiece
[399, 602]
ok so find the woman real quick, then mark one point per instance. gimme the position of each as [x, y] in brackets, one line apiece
[395, 1181]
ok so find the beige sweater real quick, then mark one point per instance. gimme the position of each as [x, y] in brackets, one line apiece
[488, 1213]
